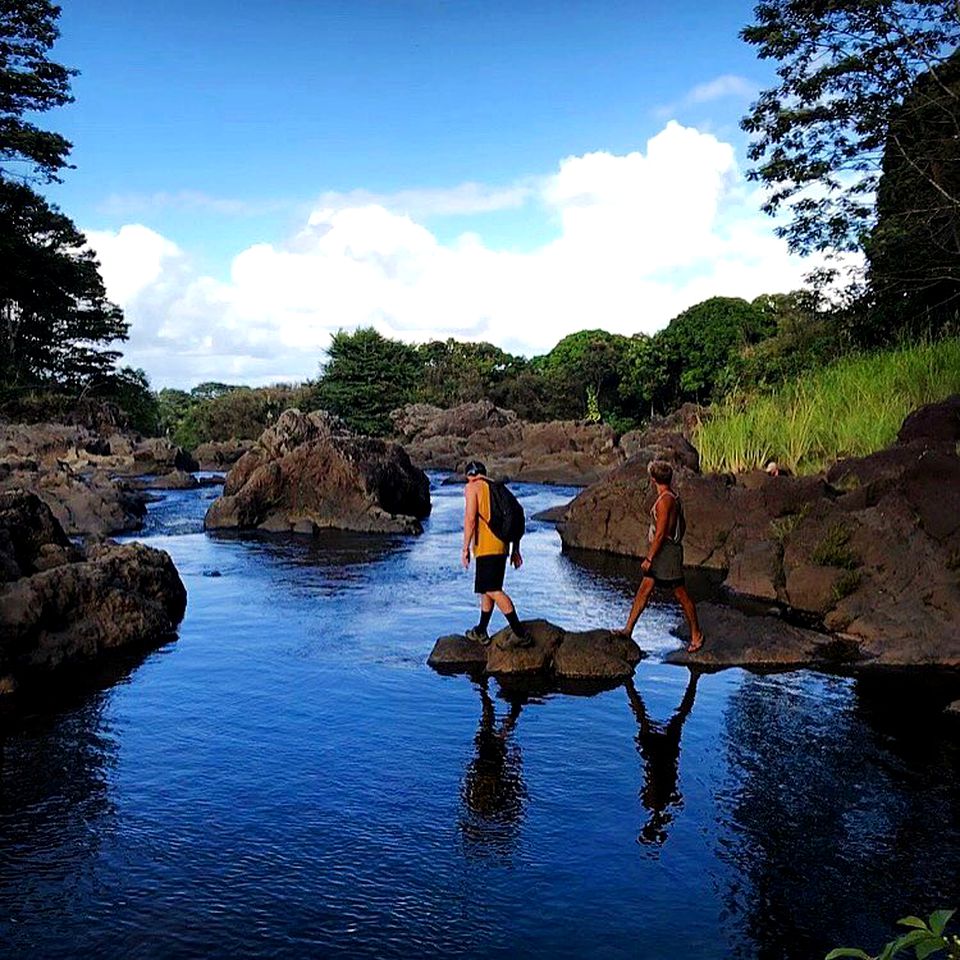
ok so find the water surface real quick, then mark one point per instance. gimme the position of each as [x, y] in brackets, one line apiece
[289, 779]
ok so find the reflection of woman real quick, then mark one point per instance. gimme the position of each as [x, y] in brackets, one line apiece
[493, 791]
[659, 745]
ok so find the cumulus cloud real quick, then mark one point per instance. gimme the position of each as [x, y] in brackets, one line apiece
[639, 237]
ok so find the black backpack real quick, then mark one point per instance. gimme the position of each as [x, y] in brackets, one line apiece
[507, 521]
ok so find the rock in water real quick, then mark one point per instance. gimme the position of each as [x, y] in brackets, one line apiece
[593, 655]
[62, 605]
[307, 472]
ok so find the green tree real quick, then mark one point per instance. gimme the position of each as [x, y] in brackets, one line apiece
[57, 328]
[56, 324]
[584, 365]
[914, 250]
[643, 377]
[459, 372]
[697, 346]
[30, 83]
[366, 376]
[821, 133]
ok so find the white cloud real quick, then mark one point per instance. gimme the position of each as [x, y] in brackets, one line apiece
[640, 237]
[728, 85]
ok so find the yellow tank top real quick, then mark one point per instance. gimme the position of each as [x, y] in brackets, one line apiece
[486, 543]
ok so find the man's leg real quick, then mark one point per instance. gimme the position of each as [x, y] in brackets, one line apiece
[479, 632]
[690, 612]
[639, 603]
[506, 607]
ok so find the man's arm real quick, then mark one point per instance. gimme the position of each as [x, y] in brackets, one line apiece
[469, 523]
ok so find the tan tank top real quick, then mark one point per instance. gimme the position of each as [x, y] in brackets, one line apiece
[674, 537]
[486, 543]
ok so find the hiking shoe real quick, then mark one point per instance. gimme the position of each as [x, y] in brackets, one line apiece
[514, 641]
[478, 636]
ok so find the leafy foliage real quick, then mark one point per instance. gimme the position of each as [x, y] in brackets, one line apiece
[55, 319]
[30, 83]
[914, 249]
[366, 377]
[926, 938]
[821, 132]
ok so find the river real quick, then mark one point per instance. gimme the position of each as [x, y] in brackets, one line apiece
[289, 778]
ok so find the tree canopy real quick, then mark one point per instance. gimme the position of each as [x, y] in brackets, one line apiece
[821, 134]
[30, 83]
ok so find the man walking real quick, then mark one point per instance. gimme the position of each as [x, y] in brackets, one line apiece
[663, 564]
[490, 555]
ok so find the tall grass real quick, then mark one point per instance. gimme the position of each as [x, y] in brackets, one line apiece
[850, 408]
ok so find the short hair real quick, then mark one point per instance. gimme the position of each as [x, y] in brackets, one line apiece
[475, 469]
[660, 470]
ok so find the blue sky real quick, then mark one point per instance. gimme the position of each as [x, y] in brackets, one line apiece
[256, 175]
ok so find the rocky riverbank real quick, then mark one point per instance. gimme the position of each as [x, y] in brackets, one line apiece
[308, 472]
[569, 452]
[83, 475]
[63, 605]
[867, 554]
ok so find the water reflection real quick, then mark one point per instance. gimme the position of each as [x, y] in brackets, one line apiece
[659, 747]
[493, 793]
[833, 831]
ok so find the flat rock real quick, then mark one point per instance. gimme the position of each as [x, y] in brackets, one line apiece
[595, 655]
[556, 655]
[175, 480]
[736, 639]
[457, 653]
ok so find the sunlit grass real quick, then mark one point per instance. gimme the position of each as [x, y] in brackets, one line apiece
[851, 408]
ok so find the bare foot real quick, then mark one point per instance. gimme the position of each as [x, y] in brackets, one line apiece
[623, 632]
[695, 643]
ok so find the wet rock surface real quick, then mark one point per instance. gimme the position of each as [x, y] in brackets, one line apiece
[308, 472]
[61, 604]
[869, 551]
[554, 652]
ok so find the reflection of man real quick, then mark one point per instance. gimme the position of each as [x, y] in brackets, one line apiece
[493, 790]
[490, 556]
[659, 746]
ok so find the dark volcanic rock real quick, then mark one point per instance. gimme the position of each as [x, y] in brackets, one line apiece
[221, 454]
[935, 422]
[566, 452]
[175, 480]
[307, 472]
[555, 653]
[62, 605]
[735, 639]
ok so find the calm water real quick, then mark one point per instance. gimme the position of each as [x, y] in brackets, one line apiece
[289, 779]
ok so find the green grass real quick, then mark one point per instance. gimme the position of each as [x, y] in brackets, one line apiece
[851, 408]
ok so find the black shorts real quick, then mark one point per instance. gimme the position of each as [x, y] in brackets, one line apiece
[490, 573]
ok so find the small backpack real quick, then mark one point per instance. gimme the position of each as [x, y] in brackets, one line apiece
[507, 521]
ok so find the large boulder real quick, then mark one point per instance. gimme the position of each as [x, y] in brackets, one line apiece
[221, 454]
[60, 604]
[595, 655]
[870, 551]
[307, 472]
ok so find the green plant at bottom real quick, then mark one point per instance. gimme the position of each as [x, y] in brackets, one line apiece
[927, 938]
